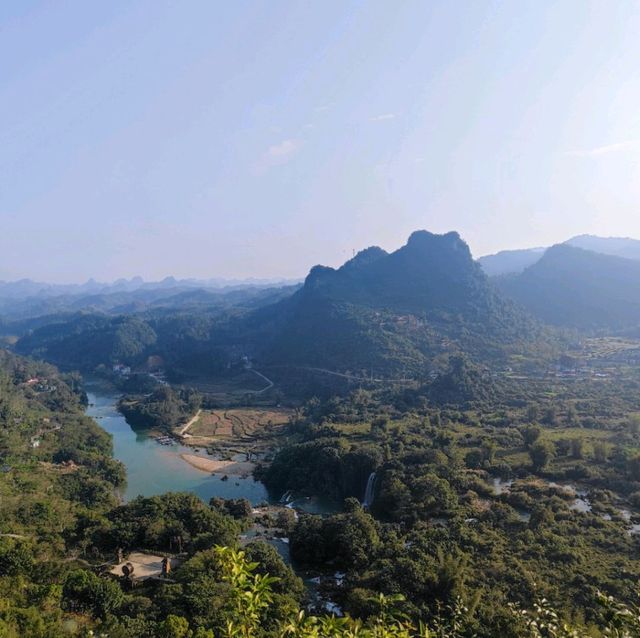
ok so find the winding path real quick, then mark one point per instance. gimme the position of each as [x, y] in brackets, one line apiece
[191, 421]
[350, 377]
[270, 383]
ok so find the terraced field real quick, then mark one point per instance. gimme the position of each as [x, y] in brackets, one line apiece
[238, 423]
[607, 347]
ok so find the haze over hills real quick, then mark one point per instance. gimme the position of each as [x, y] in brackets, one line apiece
[616, 246]
[510, 261]
[515, 261]
[383, 313]
[26, 299]
[25, 288]
[394, 312]
[573, 287]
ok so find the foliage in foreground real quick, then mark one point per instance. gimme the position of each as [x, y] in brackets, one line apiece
[252, 594]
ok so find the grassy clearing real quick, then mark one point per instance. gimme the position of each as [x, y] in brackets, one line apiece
[577, 433]
[352, 428]
[238, 422]
[605, 347]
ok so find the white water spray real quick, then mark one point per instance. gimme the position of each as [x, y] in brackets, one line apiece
[369, 491]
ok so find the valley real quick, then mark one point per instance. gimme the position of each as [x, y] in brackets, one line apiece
[319, 319]
[154, 469]
[396, 415]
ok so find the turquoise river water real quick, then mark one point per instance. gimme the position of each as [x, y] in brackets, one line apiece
[153, 468]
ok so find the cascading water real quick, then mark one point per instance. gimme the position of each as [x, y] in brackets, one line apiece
[369, 491]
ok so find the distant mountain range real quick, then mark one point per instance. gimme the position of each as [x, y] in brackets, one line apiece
[28, 299]
[25, 288]
[615, 246]
[573, 287]
[383, 314]
[587, 282]
[515, 261]
[507, 262]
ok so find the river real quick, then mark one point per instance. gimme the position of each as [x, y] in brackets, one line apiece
[153, 468]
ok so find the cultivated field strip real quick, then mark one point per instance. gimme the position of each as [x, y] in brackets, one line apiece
[238, 423]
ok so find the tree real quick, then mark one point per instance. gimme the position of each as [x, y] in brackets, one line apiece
[270, 563]
[600, 451]
[549, 416]
[286, 520]
[16, 557]
[633, 425]
[531, 434]
[473, 459]
[251, 592]
[489, 449]
[238, 508]
[633, 466]
[380, 427]
[433, 496]
[85, 592]
[571, 417]
[577, 448]
[541, 516]
[174, 627]
[541, 453]
[533, 412]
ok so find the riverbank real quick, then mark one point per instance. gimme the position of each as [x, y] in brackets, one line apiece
[235, 439]
[213, 466]
[154, 469]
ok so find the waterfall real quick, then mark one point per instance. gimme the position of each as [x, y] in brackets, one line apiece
[368, 493]
[286, 497]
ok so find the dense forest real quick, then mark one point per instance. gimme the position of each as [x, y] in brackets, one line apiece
[380, 315]
[477, 559]
[580, 289]
[164, 408]
[513, 498]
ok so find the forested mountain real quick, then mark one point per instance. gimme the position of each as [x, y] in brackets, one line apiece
[510, 261]
[579, 288]
[616, 246]
[85, 341]
[115, 300]
[379, 314]
[393, 313]
[179, 328]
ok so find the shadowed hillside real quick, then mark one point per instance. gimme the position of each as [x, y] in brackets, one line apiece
[393, 313]
[579, 288]
[380, 315]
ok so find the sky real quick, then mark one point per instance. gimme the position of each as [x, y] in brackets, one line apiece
[259, 138]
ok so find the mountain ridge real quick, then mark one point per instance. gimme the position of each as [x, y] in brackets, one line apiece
[394, 311]
[394, 314]
[578, 288]
[514, 261]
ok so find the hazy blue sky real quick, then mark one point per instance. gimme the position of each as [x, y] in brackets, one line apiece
[213, 138]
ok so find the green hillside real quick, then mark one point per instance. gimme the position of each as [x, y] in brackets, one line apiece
[393, 314]
[581, 289]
